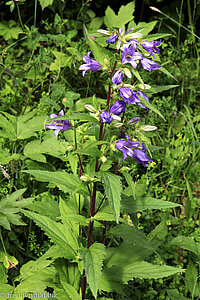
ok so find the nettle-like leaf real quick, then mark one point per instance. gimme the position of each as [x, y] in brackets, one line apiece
[118, 275]
[92, 262]
[130, 204]
[22, 127]
[191, 279]
[124, 16]
[161, 88]
[187, 243]
[113, 189]
[10, 206]
[63, 180]
[57, 232]
[152, 107]
[10, 30]
[45, 3]
[100, 53]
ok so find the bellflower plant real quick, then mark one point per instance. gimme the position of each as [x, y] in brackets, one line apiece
[105, 138]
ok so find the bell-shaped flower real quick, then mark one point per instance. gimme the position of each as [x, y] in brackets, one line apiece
[58, 124]
[149, 65]
[134, 120]
[141, 94]
[141, 157]
[106, 117]
[151, 47]
[112, 39]
[117, 77]
[118, 107]
[129, 55]
[128, 95]
[90, 64]
[125, 147]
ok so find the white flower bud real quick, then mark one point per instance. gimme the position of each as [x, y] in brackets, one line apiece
[149, 128]
[103, 32]
[143, 86]
[103, 159]
[116, 118]
[118, 125]
[131, 36]
[127, 73]
[85, 177]
[90, 108]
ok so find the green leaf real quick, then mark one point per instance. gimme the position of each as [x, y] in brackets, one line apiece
[174, 295]
[92, 263]
[113, 190]
[131, 183]
[90, 152]
[161, 88]
[45, 3]
[140, 204]
[55, 231]
[165, 71]
[148, 27]
[66, 182]
[187, 243]
[10, 30]
[71, 291]
[191, 279]
[80, 117]
[99, 52]
[156, 36]
[151, 106]
[137, 75]
[124, 16]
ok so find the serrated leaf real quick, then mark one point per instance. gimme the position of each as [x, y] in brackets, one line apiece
[191, 279]
[71, 291]
[131, 183]
[165, 71]
[140, 204]
[124, 16]
[79, 117]
[151, 106]
[113, 190]
[45, 3]
[161, 88]
[55, 231]
[147, 27]
[99, 52]
[156, 36]
[137, 75]
[92, 263]
[187, 243]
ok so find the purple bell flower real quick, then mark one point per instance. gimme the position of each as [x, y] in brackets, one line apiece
[106, 117]
[151, 47]
[149, 65]
[58, 124]
[117, 77]
[118, 107]
[128, 95]
[141, 94]
[141, 157]
[90, 64]
[112, 39]
[125, 147]
[129, 55]
[134, 120]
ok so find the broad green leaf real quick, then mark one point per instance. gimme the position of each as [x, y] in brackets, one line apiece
[161, 88]
[113, 190]
[156, 36]
[90, 152]
[151, 106]
[140, 204]
[92, 263]
[124, 16]
[165, 71]
[148, 27]
[71, 291]
[66, 182]
[55, 231]
[45, 3]
[137, 75]
[174, 295]
[131, 183]
[187, 243]
[138, 270]
[10, 30]
[191, 279]
[99, 52]
[6, 288]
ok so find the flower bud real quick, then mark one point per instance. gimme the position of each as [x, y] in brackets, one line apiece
[128, 73]
[143, 86]
[132, 36]
[103, 32]
[118, 125]
[103, 159]
[85, 177]
[149, 128]
[90, 108]
[116, 118]
[106, 62]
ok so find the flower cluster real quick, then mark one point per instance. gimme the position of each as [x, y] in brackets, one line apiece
[134, 53]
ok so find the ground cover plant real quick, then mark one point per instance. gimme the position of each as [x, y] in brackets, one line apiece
[99, 158]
